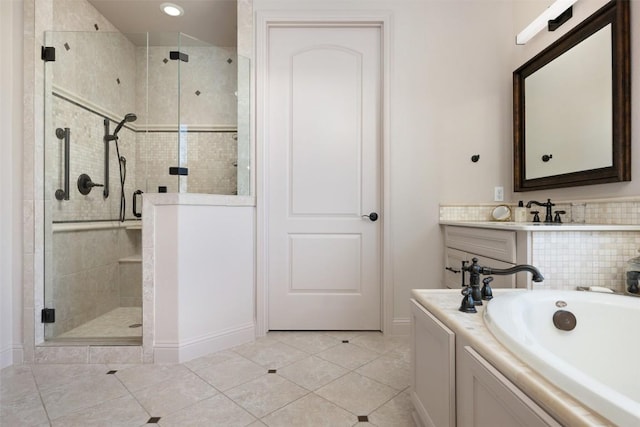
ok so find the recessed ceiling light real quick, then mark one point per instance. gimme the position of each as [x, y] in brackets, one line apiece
[172, 9]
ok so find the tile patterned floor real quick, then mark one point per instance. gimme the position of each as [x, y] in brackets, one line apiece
[284, 379]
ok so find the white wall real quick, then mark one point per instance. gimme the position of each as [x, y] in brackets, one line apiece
[449, 98]
[524, 12]
[11, 187]
[469, 77]
[204, 279]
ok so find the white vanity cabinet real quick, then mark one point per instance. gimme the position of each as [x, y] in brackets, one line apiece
[493, 248]
[453, 385]
[486, 398]
[432, 370]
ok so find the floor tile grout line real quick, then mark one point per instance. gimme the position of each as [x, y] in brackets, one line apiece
[298, 346]
[133, 395]
[281, 407]
[280, 367]
[84, 409]
[302, 397]
[44, 407]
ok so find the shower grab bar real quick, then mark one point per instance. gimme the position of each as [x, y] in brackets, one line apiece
[64, 134]
[105, 191]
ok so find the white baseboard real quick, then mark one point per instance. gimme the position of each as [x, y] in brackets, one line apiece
[189, 350]
[400, 326]
[11, 356]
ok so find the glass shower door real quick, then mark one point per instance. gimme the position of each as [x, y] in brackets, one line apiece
[91, 292]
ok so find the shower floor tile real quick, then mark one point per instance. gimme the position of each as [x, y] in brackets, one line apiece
[114, 324]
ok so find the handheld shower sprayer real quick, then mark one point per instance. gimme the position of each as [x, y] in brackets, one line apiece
[122, 161]
[129, 117]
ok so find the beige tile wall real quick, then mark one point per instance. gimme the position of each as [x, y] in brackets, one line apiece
[569, 259]
[86, 157]
[595, 212]
[87, 280]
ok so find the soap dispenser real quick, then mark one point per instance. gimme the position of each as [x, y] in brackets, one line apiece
[632, 275]
[520, 214]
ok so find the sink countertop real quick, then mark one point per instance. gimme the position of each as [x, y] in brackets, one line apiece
[444, 304]
[541, 226]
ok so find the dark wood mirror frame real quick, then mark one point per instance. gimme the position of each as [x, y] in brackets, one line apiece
[615, 13]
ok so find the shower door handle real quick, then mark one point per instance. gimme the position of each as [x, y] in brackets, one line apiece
[65, 135]
[135, 204]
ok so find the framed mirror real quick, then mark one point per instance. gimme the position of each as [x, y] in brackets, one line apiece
[571, 106]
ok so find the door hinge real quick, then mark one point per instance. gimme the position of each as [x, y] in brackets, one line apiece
[48, 53]
[175, 55]
[48, 315]
[174, 170]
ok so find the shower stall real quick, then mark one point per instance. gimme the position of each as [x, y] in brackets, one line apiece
[125, 115]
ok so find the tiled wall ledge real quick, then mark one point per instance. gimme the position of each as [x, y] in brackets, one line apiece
[542, 227]
[197, 199]
[597, 211]
[94, 225]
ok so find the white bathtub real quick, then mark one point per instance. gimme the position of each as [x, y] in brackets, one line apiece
[598, 362]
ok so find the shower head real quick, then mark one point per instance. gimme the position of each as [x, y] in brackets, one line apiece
[130, 117]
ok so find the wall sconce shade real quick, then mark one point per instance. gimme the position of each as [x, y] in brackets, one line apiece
[553, 12]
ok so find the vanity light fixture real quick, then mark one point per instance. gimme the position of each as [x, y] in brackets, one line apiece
[172, 9]
[558, 8]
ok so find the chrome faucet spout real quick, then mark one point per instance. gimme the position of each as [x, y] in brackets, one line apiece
[537, 276]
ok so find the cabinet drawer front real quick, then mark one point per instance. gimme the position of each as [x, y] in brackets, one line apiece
[486, 398]
[454, 260]
[496, 244]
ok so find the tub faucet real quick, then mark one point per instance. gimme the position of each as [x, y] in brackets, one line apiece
[537, 276]
[548, 217]
[473, 295]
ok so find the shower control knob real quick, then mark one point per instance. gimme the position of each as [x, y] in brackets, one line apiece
[85, 184]
[373, 217]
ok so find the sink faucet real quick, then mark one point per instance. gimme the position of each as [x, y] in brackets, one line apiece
[473, 295]
[548, 205]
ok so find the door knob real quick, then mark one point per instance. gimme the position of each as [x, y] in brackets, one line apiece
[372, 216]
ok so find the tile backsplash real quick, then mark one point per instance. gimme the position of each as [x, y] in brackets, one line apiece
[590, 212]
[574, 258]
[589, 258]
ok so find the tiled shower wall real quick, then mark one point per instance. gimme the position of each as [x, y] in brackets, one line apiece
[204, 104]
[567, 258]
[200, 92]
[210, 157]
[201, 96]
[93, 78]
[87, 280]
[86, 157]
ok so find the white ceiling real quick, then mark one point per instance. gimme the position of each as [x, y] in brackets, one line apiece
[212, 21]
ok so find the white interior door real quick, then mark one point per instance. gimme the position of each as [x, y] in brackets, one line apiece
[323, 158]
